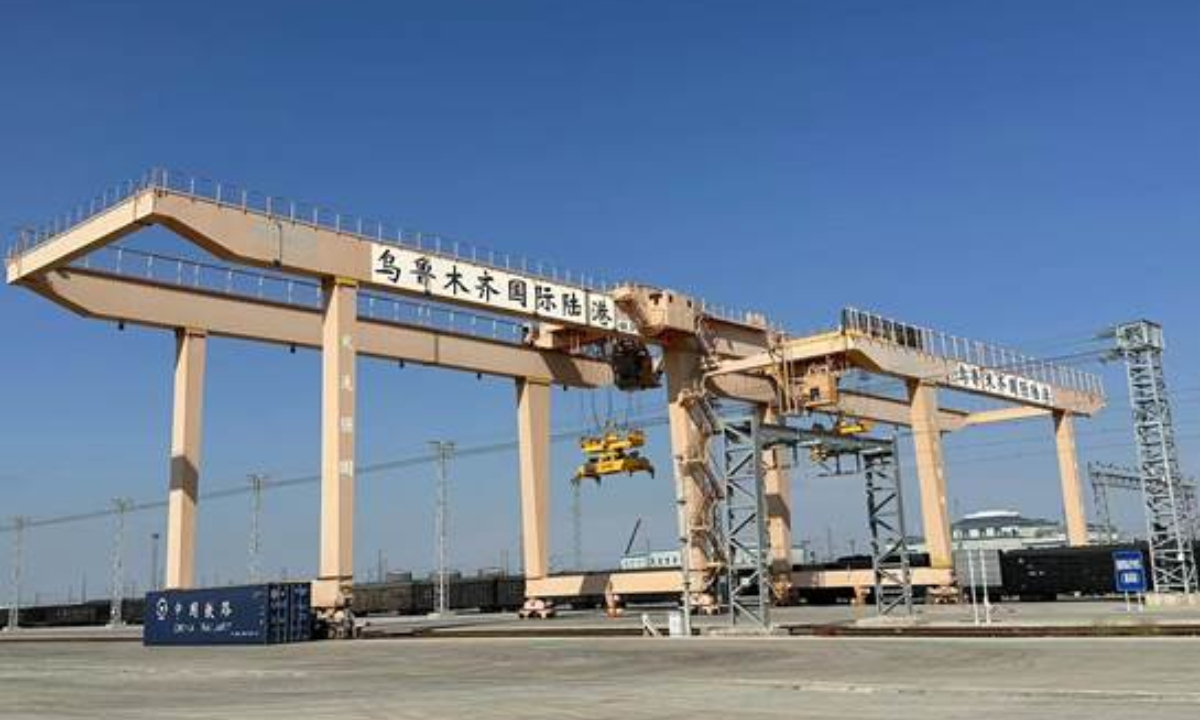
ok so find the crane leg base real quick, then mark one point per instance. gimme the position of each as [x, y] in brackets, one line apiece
[537, 609]
[335, 624]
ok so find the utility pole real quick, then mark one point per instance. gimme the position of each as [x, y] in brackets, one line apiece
[122, 506]
[443, 450]
[1100, 499]
[577, 524]
[154, 536]
[18, 561]
[254, 555]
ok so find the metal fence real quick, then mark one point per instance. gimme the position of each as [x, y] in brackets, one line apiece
[198, 275]
[318, 216]
[30, 237]
[943, 345]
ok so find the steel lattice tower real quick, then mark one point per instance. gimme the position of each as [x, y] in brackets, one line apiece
[577, 524]
[18, 565]
[122, 506]
[254, 549]
[748, 554]
[889, 539]
[1105, 477]
[443, 450]
[1172, 563]
[876, 461]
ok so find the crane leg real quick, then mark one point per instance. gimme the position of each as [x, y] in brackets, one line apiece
[185, 459]
[331, 591]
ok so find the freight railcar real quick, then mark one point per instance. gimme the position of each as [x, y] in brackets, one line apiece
[419, 597]
[1035, 574]
[91, 612]
[1029, 574]
[1047, 573]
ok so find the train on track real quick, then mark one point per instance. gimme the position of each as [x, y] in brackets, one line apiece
[91, 612]
[1027, 575]
[1031, 574]
[499, 593]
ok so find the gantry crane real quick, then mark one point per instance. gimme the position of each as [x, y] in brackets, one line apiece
[302, 276]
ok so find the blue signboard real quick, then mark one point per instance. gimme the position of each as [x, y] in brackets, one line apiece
[1129, 571]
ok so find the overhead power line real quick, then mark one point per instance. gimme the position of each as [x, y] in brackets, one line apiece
[484, 449]
[424, 458]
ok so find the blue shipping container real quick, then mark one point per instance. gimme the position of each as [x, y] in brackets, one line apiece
[243, 615]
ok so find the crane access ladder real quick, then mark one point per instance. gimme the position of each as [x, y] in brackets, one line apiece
[729, 523]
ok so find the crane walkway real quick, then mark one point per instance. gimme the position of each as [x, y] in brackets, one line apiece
[162, 270]
[123, 285]
[882, 346]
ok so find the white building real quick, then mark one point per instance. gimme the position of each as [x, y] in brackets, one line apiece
[657, 559]
[1008, 530]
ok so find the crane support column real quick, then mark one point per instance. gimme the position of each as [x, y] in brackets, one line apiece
[777, 483]
[185, 458]
[689, 449]
[533, 438]
[1072, 488]
[338, 379]
[931, 471]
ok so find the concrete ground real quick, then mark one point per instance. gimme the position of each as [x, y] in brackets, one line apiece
[608, 678]
[1028, 615]
[1062, 614]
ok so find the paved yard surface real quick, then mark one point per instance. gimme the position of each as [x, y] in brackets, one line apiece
[1049, 614]
[609, 678]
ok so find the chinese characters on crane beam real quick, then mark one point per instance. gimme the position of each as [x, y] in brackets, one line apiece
[494, 289]
[994, 382]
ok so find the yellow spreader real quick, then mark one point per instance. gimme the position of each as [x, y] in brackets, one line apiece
[612, 453]
[843, 427]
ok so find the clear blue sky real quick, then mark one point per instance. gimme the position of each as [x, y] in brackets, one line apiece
[1022, 172]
